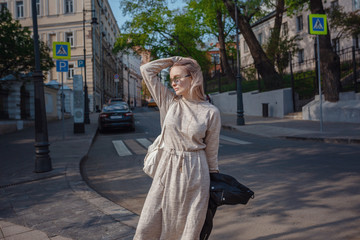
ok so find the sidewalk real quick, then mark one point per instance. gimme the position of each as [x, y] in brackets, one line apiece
[346, 133]
[59, 205]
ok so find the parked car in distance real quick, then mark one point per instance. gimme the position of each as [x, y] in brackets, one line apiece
[152, 103]
[116, 116]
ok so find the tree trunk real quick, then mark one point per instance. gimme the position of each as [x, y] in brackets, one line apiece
[262, 63]
[224, 59]
[275, 35]
[329, 60]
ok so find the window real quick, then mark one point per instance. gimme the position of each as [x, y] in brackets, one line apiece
[19, 9]
[356, 4]
[334, 4]
[71, 71]
[69, 6]
[51, 39]
[299, 23]
[69, 37]
[356, 40]
[336, 45]
[259, 38]
[215, 58]
[3, 5]
[38, 7]
[285, 28]
[301, 56]
[246, 47]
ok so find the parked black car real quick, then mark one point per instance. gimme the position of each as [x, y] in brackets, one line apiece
[116, 116]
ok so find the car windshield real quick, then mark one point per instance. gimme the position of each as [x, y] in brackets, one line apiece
[116, 107]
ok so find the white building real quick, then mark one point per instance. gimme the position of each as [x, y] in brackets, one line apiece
[132, 79]
[298, 24]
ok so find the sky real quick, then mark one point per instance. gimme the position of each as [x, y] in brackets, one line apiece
[115, 7]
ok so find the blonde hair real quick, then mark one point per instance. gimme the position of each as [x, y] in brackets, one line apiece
[197, 81]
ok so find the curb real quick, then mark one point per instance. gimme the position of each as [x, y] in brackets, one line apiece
[302, 138]
[325, 140]
[77, 182]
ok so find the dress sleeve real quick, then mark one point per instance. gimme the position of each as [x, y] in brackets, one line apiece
[160, 93]
[212, 141]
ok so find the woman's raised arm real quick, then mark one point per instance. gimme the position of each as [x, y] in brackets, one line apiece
[160, 93]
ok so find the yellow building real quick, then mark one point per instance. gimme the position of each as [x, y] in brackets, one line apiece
[70, 21]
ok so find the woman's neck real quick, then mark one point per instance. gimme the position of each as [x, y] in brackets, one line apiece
[187, 96]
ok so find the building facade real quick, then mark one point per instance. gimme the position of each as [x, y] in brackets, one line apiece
[298, 24]
[91, 29]
[132, 87]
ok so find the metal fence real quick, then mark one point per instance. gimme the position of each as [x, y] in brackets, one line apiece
[302, 78]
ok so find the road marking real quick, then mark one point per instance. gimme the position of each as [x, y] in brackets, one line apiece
[140, 145]
[121, 148]
[233, 140]
[135, 147]
[144, 142]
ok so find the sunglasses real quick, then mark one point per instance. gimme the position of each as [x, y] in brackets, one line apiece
[176, 79]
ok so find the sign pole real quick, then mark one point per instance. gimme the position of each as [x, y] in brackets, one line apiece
[62, 105]
[319, 80]
[318, 26]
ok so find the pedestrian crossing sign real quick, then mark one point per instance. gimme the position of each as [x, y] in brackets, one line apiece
[317, 24]
[61, 50]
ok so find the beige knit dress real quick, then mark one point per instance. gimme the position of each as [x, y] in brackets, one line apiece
[175, 207]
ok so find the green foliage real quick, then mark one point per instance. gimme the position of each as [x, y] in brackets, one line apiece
[247, 86]
[249, 73]
[295, 6]
[280, 54]
[346, 23]
[17, 48]
[254, 10]
[163, 31]
[205, 12]
[303, 84]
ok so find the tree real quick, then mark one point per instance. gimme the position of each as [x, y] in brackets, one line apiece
[245, 12]
[345, 23]
[17, 48]
[280, 54]
[329, 60]
[164, 32]
[213, 17]
[274, 43]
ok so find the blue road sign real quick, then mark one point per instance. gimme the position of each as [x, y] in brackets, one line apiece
[61, 50]
[81, 63]
[317, 24]
[62, 66]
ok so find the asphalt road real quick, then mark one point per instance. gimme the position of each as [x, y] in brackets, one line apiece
[304, 190]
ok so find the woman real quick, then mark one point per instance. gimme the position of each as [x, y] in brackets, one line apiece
[175, 207]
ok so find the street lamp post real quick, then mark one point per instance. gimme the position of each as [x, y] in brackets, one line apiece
[128, 77]
[86, 96]
[135, 83]
[42, 158]
[240, 107]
